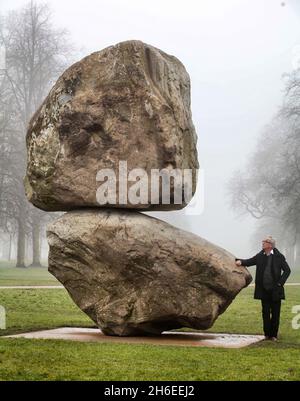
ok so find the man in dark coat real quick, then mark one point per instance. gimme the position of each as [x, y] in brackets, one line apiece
[272, 272]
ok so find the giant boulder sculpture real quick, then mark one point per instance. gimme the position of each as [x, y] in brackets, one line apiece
[131, 273]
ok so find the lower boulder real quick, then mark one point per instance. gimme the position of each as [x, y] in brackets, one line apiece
[133, 274]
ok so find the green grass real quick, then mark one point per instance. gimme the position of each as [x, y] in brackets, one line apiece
[244, 316]
[12, 263]
[62, 360]
[10, 276]
[35, 309]
[22, 359]
[295, 276]
[7, 263]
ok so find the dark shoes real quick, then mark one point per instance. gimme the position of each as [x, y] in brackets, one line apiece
[270, 338]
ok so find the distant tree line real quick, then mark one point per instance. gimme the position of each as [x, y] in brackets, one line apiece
[268, 187]
[34, 54]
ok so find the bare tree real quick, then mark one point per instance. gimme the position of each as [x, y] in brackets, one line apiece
[36, 53]
[269, 186]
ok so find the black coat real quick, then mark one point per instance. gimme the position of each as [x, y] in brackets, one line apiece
[280, 272]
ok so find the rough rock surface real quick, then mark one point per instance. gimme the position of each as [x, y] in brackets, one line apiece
[127, 102]
[136, 275]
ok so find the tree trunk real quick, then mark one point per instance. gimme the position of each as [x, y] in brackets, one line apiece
[36, 249]
[21, 246]
[297, 258]
[10, 247]
[290, 256]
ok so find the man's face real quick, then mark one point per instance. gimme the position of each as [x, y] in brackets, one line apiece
[266, 246]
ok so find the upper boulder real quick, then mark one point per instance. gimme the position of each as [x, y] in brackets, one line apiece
[129, 102]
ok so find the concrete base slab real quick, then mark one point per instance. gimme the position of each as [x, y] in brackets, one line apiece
[166, 338]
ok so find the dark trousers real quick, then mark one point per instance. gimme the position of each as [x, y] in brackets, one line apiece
[270, 314]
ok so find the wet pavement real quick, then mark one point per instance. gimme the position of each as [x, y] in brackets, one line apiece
[192, 339]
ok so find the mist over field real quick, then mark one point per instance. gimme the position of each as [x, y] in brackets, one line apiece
[243, 58]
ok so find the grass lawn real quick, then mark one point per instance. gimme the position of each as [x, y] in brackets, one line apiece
[294, 276]
[10, 275]
[27, 310]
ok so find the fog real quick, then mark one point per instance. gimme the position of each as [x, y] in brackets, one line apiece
[235, 52]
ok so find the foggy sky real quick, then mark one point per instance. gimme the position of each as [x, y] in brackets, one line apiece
[235, 52]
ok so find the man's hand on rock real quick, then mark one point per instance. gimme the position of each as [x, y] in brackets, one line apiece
[238, 263]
